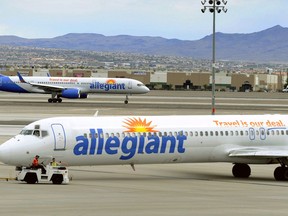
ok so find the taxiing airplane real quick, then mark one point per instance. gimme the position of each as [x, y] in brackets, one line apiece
[81, 141]
[71, 87]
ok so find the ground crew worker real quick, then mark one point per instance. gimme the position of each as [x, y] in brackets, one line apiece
[54, 163]
[36, 165]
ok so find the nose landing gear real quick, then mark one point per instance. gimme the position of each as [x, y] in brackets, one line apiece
[126, 100]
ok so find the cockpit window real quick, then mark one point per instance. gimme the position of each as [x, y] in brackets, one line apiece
[140, 84]
[44, 133]
[36, 133]
[26, 132]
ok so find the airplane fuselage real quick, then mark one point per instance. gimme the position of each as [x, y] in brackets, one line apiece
[154, 139]
[85, 85]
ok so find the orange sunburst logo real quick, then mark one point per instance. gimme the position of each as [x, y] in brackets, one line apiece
[110, 81]
[138, 125]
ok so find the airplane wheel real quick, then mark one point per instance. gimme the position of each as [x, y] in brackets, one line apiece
[126, 101]
[54, 100]
[50, 100]
[59, 100]
[241, 170]
[281, 174]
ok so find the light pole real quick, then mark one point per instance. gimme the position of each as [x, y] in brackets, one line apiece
[214, 6]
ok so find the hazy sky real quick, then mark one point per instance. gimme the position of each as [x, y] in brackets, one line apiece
[181, 19]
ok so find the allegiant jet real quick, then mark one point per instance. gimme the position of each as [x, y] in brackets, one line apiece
[71, 87]
[82, 141]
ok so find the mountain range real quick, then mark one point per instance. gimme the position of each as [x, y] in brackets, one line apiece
[267, 45]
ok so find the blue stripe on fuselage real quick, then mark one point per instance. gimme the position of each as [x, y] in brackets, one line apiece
[6, 84]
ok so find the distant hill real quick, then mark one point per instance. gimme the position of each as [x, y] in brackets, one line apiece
[267, 45]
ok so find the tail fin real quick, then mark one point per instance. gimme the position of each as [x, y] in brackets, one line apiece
[21, 78]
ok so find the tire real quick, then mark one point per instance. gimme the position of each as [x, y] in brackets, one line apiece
[279, 173]
[57, 179]
[31, 178]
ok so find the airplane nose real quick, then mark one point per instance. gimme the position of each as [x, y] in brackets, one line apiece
[4, 154]
[146, 89]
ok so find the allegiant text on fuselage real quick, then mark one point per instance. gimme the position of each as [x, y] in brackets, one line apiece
[129, 145]
[107, 86]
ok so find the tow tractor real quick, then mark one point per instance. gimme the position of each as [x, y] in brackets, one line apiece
[56, 174]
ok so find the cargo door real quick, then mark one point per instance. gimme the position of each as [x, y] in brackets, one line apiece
[59, 137]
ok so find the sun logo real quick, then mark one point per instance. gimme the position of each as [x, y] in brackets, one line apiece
[138, 125]
[110, 81]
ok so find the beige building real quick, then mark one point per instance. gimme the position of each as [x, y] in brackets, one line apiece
[172, 80]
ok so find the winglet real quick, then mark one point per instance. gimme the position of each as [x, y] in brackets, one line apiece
[21, 78]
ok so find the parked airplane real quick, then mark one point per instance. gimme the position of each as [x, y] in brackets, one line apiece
[71, 87]
[76, 141]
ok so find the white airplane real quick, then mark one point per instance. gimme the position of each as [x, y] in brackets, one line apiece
[81, 141]
[71, 87]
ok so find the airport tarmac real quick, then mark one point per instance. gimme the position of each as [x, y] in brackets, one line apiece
[168, 189]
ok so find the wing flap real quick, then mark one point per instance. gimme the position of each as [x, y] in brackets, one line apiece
[264, 153]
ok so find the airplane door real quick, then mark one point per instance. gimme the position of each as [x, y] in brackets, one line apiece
[59, 137]
[129, 85]
[262, 134]
[251, 133]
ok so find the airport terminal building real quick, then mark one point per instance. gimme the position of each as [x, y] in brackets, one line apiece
[170, 80]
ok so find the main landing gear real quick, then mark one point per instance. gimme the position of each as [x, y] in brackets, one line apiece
[55, 98]
[280, 173]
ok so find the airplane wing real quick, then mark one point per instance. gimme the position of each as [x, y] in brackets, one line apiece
[47, 88]
[258, 152]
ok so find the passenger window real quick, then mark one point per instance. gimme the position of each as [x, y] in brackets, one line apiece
[201, 133]
[216, 133]
[191, 133]
[211, 133]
